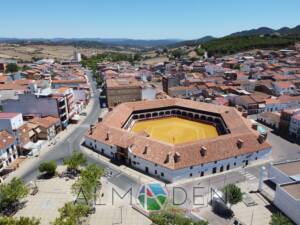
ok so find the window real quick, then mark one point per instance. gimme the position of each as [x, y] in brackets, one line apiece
[216, 162]
[202, 173]
[191, 174]
[155, 164]
[228, 167]
[214, 170]
[155, 171]
[221, 169]
[234, 164]
[162, 174]
[191, 167]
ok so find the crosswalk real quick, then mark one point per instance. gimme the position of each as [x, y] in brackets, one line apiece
[248, 175]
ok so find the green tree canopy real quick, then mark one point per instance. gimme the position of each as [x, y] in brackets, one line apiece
[70, 214]
[48, 167]
[19, 221]
[88, 181]
[232, 194]
[11, 193]
[279, 219]
[178, 53]
[77, 159]
[12, 68]
[171, 217]
[200, 51]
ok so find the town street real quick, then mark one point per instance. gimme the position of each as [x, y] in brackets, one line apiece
[72, 142]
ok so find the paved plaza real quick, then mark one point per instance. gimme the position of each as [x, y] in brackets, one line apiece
[52, 195]
[115, 210]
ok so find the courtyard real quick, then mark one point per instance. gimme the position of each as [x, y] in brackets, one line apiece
[175, 130]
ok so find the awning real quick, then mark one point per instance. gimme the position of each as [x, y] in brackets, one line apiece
[31, 145]
[76, 117]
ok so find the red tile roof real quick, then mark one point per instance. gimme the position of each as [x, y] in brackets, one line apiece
[221, 147]
[6, 139]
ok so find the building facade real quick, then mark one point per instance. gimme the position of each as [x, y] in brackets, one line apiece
[237, 145]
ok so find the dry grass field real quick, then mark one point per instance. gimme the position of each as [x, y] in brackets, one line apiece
[58, 52]
[175, 130]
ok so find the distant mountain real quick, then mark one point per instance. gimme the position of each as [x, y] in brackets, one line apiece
[193, 42]
[94, 41]
[267, 30]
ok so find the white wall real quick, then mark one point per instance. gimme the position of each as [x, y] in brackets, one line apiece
[287, 204]
[6, 157]
[102, 148]
[12, 123]
[173, 175]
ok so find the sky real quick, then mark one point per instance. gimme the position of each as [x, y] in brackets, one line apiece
[142, 19]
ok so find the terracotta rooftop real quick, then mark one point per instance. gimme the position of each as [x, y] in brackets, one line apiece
[6, 139]
[8, 115]
[218, 148]
[45, 122]
[122, 82]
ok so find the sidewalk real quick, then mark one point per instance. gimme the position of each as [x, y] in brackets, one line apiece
[52, 194]
[115, 210]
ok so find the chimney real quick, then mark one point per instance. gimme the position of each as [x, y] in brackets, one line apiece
[240, 143]
[239, 108]
[167, 158]
[261, 138]
[145, 150]
[107, 136]
[99, 119]
[203, 151]
[92, 127]
[176, 157]
[245, 114]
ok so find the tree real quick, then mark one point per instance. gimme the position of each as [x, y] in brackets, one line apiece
[12, 68]
[11, 193]
[279, 219]
[177, 53]
[70, 214]
[19, 221]
[88, 181]
[48, 168]
[232, 194]
[77, 159]
[200, 51]
[170, 217]
[26, 67]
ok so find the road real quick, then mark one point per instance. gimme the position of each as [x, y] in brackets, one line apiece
[72, 142]
[282, 150]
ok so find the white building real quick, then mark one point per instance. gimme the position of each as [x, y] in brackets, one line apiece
[8, 150]
[286, 176]
[10, 121]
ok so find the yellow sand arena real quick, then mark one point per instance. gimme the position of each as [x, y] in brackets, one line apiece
[175, 130]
